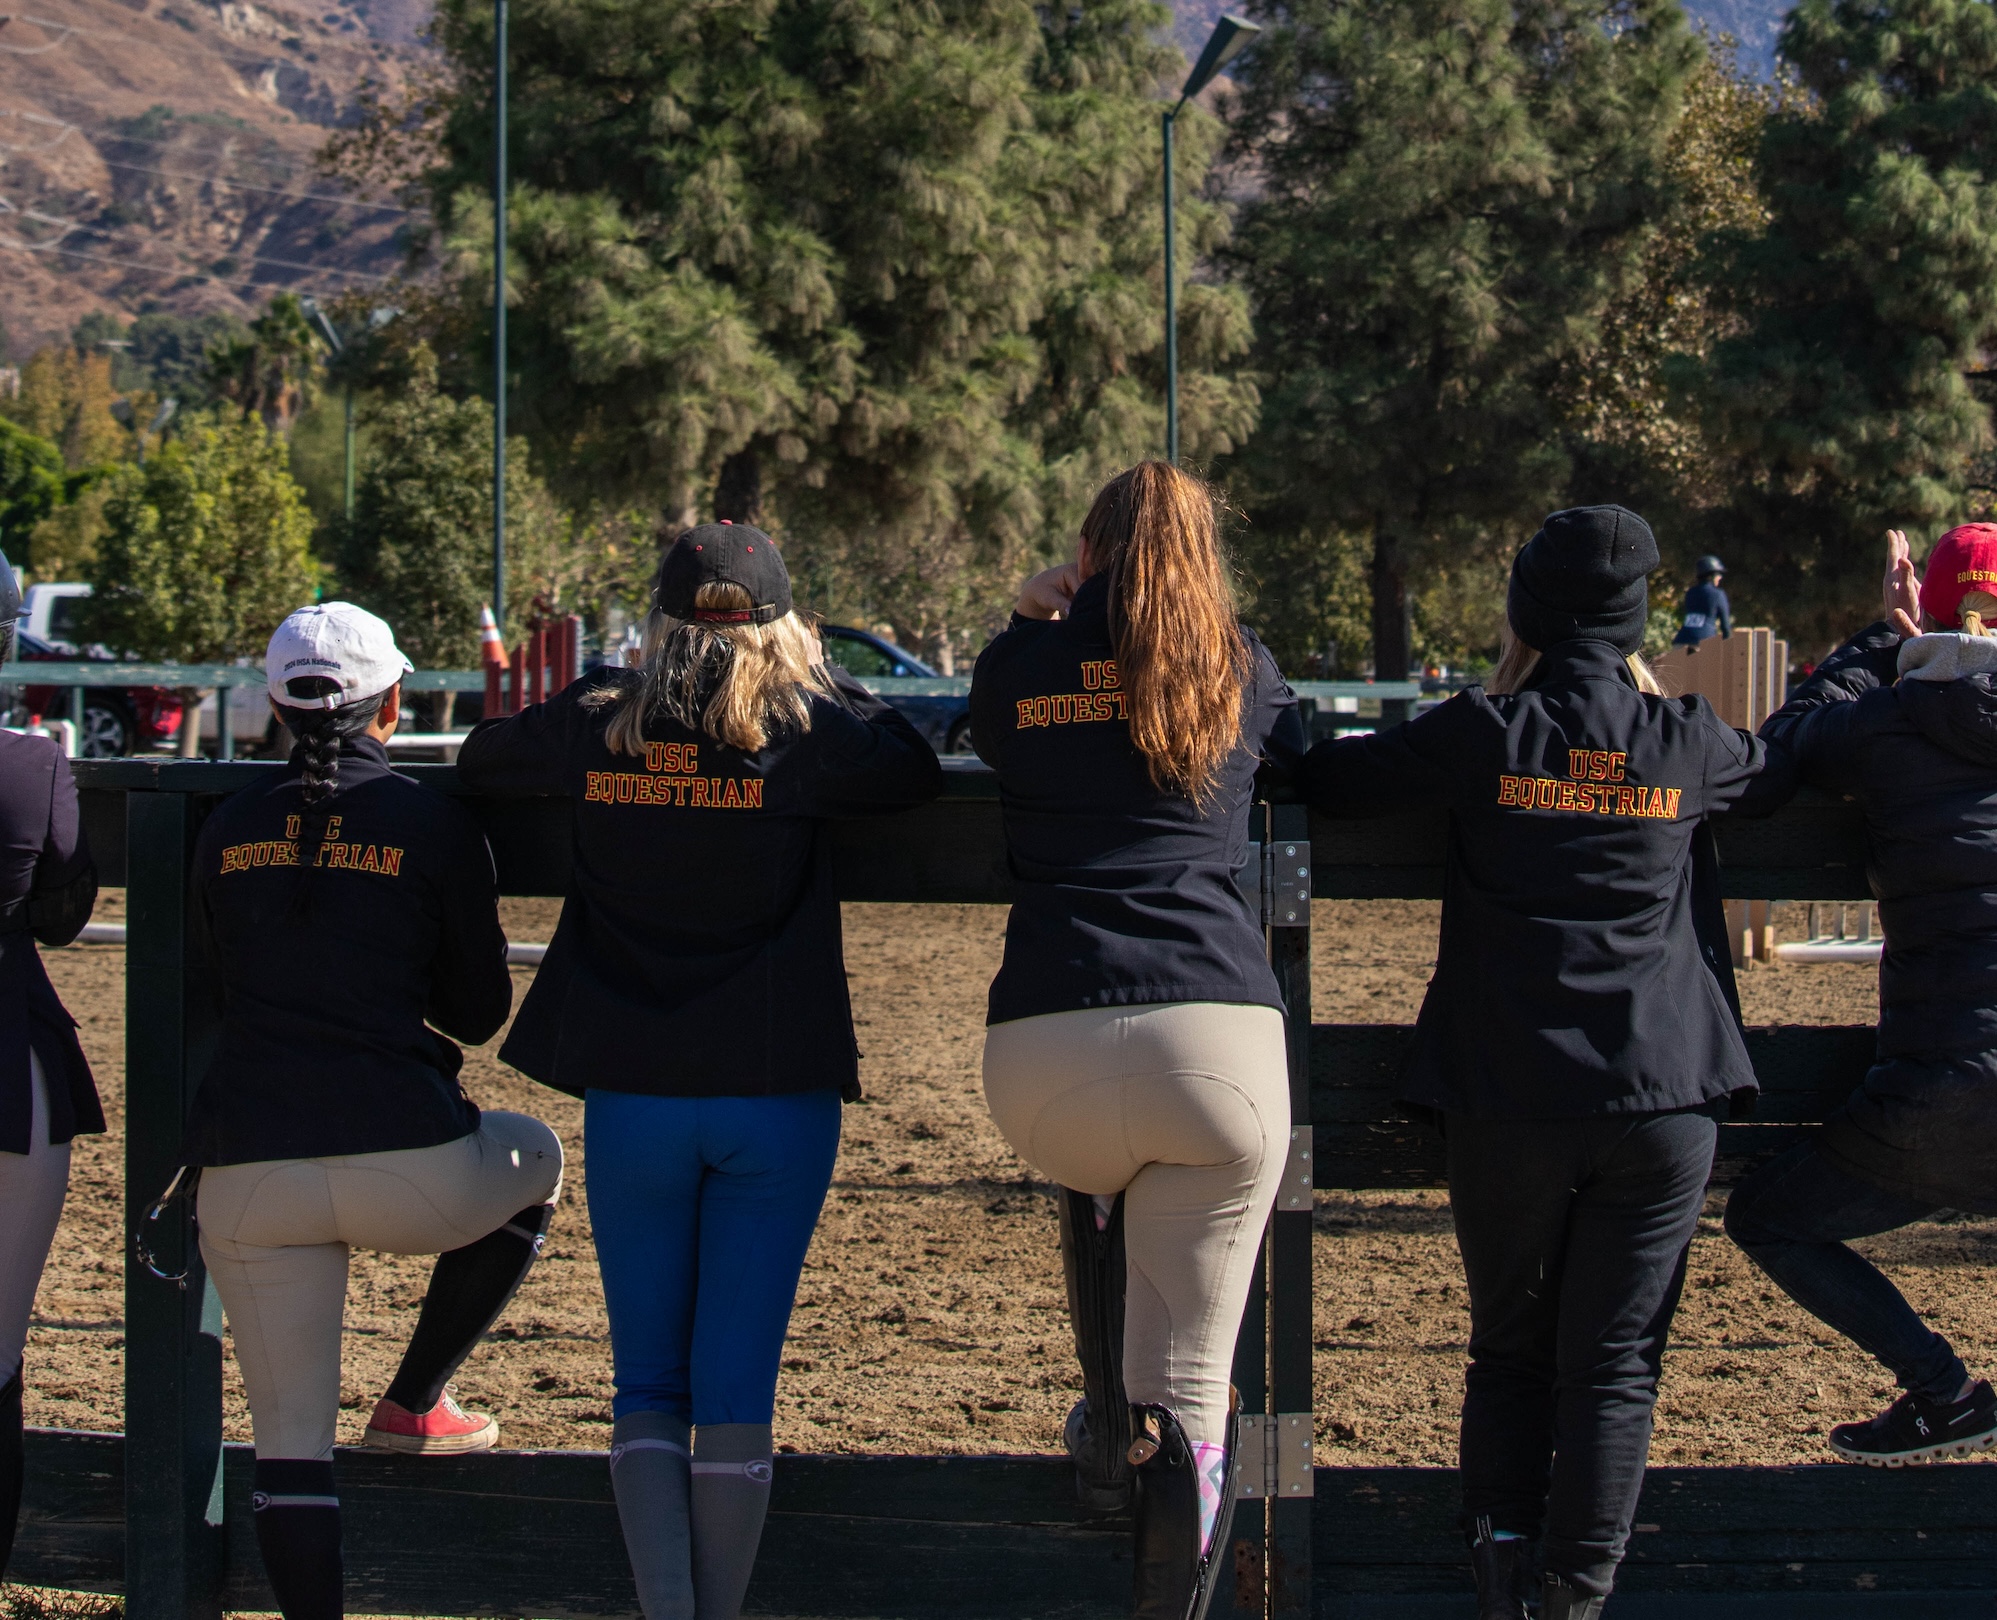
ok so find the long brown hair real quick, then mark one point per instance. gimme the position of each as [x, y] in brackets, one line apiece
[740, 683]
[1180, 655]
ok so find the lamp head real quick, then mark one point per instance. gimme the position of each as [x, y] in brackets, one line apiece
[1225, 43]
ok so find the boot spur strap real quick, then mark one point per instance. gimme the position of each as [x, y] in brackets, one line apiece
[1148, 1442]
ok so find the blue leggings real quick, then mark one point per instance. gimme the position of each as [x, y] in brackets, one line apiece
[703, 1209]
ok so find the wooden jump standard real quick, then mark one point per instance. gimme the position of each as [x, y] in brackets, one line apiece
[161, 1513]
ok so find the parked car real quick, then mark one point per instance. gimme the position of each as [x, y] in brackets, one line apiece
[48, 611]
[116, 720]
[944, 720]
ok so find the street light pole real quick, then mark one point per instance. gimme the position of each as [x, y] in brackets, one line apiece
[1229, 35]
[499, 312]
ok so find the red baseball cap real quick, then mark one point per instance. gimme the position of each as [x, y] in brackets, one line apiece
[1964, 560]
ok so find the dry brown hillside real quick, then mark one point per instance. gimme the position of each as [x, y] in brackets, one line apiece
[159, 154]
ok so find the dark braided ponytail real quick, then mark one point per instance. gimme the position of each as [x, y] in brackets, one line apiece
[316, 753]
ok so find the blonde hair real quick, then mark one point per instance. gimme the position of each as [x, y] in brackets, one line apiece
[1180, 656]
[757, 678]
[1977, 608]
[1517, 661]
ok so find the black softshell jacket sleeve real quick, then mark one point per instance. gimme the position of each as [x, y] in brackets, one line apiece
[526, 752]
[64, 888]
[1813, 730]
[470, 990]
[1419, 762]
[871, 759]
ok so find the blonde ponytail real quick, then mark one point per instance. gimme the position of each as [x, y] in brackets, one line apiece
[1978, 609]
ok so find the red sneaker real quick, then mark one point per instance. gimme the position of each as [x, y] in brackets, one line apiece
[445, 1430]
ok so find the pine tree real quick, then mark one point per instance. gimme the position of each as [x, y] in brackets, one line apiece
[1453, 191]
[882, 274]
[1848, 405]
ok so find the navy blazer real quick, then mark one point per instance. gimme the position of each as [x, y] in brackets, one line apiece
[48, 887]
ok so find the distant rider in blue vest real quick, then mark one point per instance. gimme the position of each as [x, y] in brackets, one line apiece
[1706, 612]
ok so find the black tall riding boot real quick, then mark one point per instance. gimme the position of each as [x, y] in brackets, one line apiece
[11, 1467]
[1507, 1579]
[1173, 1578]
[1097, 1433]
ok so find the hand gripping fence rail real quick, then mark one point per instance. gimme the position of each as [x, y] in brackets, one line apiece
[162, 1512]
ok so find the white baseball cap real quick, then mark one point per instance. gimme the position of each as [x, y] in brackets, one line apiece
[338, 642]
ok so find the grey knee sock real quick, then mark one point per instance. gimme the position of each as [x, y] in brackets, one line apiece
[731, 1493]
[649, 1459]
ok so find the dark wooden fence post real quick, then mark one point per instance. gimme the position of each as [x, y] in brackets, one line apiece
[1291, 1287]
[173, 1333]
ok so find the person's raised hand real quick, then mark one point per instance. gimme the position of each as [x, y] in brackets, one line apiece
[1049, 593]
[1902, 592]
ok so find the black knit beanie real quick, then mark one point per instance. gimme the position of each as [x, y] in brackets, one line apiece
[1583, 575]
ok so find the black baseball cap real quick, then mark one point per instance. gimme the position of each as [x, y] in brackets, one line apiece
[723, 554]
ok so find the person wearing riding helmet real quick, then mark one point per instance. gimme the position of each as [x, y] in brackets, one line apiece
[1135, 1051]
[1904, 722]
[353, 926]
[48, 887]
[1577, 1044]
[694, 994]
[1705, 612]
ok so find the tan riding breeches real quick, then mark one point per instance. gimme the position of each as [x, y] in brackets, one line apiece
[1184, 1108]
[275, 1236]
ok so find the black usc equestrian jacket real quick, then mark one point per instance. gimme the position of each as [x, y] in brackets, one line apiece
[1125, 893]
[699, 950]
[336, 982]
[1572, 978]
[1920, 759]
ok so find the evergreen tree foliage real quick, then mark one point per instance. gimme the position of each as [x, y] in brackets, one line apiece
[1634, 431]
[205, 547]
[419, 551]
[1848, 403]
[883, 274]
[1453, 192]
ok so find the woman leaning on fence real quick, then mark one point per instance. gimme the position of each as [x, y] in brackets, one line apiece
[694, 994]
[1578, 1042]
[1135, 1053]
[352, 917]
[1905, 723]
[48, 886]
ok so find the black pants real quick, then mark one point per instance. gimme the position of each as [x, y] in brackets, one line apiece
[1573, 1234]
[1794, 1215]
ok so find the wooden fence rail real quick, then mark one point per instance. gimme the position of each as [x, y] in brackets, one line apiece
[159, 1513]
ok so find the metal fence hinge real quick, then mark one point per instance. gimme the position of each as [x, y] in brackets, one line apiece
[1292, 1449]
[1295, 1191]
[1286, 883]
[1254, 1468]
[1272, 1455]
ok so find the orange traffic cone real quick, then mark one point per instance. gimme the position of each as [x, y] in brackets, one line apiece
[490, 648]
